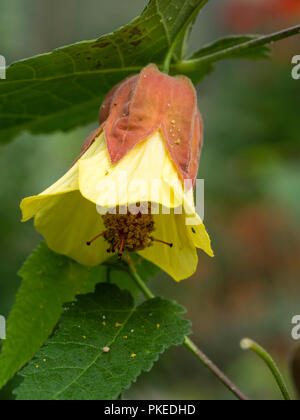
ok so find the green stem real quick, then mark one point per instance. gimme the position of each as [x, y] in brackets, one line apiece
[191, 346]
[182, 31]
[247, 344]
[187, 342]
[194, 64]
[137, 278]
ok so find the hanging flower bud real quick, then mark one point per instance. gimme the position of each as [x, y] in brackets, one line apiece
[150, 135]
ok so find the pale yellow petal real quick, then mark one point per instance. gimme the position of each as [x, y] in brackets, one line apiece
[195, 226]
[180, 261]
[31, 205]
[200, 238]
[197, 232]
[67, 183]
[67, 222]
[145, 174]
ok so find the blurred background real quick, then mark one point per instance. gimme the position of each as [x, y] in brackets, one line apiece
[250, 164]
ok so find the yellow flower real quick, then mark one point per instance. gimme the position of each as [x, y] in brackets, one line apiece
[74, 210]
[66, 213]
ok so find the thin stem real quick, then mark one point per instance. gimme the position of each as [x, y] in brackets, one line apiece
[213, 368]
[188, 343]
[182, 30]
[189, 65]
[137, 278]
[247, 344]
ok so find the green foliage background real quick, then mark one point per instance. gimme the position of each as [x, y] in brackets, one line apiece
[252, 201]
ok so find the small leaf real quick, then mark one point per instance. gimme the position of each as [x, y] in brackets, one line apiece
[199, 73]
[183, 43]
[50, 280]
[102, 345]
[232, 41]
[204, 69]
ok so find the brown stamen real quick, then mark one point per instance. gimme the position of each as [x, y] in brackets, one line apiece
[117, 246]
[130, 232]
[120, 253]
[96, 237]
[163, 242]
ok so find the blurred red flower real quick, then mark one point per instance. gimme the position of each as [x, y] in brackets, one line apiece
[250, 14]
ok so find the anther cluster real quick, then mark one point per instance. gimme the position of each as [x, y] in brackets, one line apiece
[128, 232]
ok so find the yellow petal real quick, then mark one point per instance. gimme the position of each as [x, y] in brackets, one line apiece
[180, 261]
[67, 183]
[200, 237]
[31, 205]
[67, 222]
[195, 226]
[145, 174]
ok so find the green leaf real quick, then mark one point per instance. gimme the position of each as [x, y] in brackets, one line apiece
[50, 280]
[199, 73]
[73, 365]
[64, 89]
[182, 43]
[232, 41]
[204, 69]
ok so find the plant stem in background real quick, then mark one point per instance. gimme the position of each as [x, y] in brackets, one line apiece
[187, 342]
[247, 344]
[191, 346]
[193, 65]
